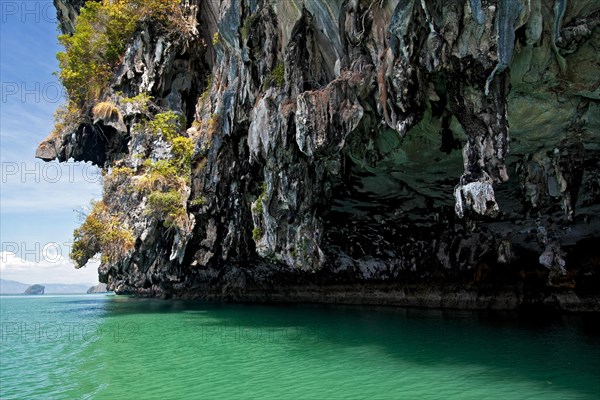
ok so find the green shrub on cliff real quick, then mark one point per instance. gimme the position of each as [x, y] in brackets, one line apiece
[257, 234]
[103, 30]
[122, 172]
[258, 207]
[67, 118]
[198, 201]
[167, 123]
[117, 183]
[168, 207]
[182, 149]
[216, 39]
[277, 77]
[278, 74]
[101, 232]
[85, 63]
[248, 25]
[142, 102]
[160, 175]
[164, 181]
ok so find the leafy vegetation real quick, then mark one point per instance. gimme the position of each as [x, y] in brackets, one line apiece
[165, 180]
[104, 29]
[102, 32]
[182, 149]
[216, 39]
[167, 206]
[256, 233]
[277, 76]
[213, 121]
[167, 123]
[116, 177]
[160, 175]
[122, 172]
[206, 93]
[102, 232]
[117, 184]
[141, 101]
[67, 118]
[258, 208]
[198, 201]
[247, 25]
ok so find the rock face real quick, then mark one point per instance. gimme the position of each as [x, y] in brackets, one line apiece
[35, 289]
[434, 153]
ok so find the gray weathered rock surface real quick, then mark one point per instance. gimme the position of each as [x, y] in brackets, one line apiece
[426, 153]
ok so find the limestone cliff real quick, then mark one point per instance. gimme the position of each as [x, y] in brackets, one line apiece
[429, 153]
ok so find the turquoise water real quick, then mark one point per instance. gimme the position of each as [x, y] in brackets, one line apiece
[101, 347]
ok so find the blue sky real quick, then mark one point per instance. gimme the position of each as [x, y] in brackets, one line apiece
[37, 200]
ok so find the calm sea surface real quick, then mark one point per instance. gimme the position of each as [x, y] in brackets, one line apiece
[113, 347]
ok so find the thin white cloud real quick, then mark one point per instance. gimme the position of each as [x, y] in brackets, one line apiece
[49, 267]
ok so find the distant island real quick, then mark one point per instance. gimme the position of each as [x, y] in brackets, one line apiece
[35, 289]
[14, 287]
[99, 288]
